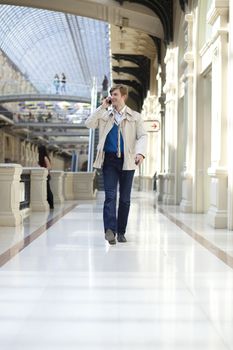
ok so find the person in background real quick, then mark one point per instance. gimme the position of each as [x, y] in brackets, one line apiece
[63, 83]
[105, 86]
[44, 162]
[56, 83]
[122, 147]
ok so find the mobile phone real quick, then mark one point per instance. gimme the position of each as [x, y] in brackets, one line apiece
[109, 100]
[136, 162]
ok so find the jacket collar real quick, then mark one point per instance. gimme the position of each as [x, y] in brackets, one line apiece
[128, 112]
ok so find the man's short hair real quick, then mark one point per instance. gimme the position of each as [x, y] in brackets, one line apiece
[123, 89]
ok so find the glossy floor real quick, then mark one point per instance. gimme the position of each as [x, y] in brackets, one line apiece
[69, 289]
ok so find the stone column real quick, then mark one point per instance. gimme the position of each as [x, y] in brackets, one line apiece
[83, 185]
[170, 89]
[27, 154]
[218, 18]
[34, 155]
[187, 80]
[68, 186]
[10, 194]
[2, 147]
[150, 113]
[16, 142]
[159, 112]
[230, 122]
[23, 153]
[57, 185]
[38, 188]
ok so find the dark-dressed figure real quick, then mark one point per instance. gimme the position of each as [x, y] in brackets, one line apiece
[63, 83]
[44, 162]
[105, 86]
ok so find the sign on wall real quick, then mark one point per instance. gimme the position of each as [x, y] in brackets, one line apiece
[152, 125]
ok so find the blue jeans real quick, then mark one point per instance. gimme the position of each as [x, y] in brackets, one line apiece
[113, 174]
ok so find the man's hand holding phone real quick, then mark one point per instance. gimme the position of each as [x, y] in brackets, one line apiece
[107, 102]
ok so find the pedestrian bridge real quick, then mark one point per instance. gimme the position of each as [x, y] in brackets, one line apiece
[43, 97]
[12, 90]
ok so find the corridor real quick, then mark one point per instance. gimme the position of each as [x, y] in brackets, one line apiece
[69, 289]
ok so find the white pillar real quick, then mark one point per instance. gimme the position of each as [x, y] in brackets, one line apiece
[187, 174]
[92, 131]
[218, 17]
[170, 89]
[68, 186]
[230, 122]
[151, 112]
[38, 188]
[56, 184]
[10, 194]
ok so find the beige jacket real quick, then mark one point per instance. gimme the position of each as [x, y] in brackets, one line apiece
[133, 133]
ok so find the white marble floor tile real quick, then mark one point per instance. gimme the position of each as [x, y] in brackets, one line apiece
[161, 290]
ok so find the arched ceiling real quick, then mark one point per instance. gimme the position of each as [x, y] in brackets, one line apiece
[136, 32]
[37, 44]
[137, 28]
[42, 43]
[140, 14]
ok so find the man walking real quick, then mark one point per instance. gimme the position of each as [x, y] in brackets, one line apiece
[122, 146]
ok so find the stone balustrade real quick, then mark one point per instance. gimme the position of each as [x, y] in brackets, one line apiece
[79, 185]
[143, 183]
[10, 194]
[83, 185]
[64, 185]
[56, 184]
[68, 186]
[38, 197]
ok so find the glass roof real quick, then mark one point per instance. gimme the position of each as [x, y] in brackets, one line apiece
[43, 43]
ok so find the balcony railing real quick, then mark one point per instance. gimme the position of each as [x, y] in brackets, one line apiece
[15, 87]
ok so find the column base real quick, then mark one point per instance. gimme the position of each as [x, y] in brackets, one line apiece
[169, 189]
[186, 206]
[169, 200]
[217, 213]
[39, 206]
[12, 219]
[217, 218]
[160, 187]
